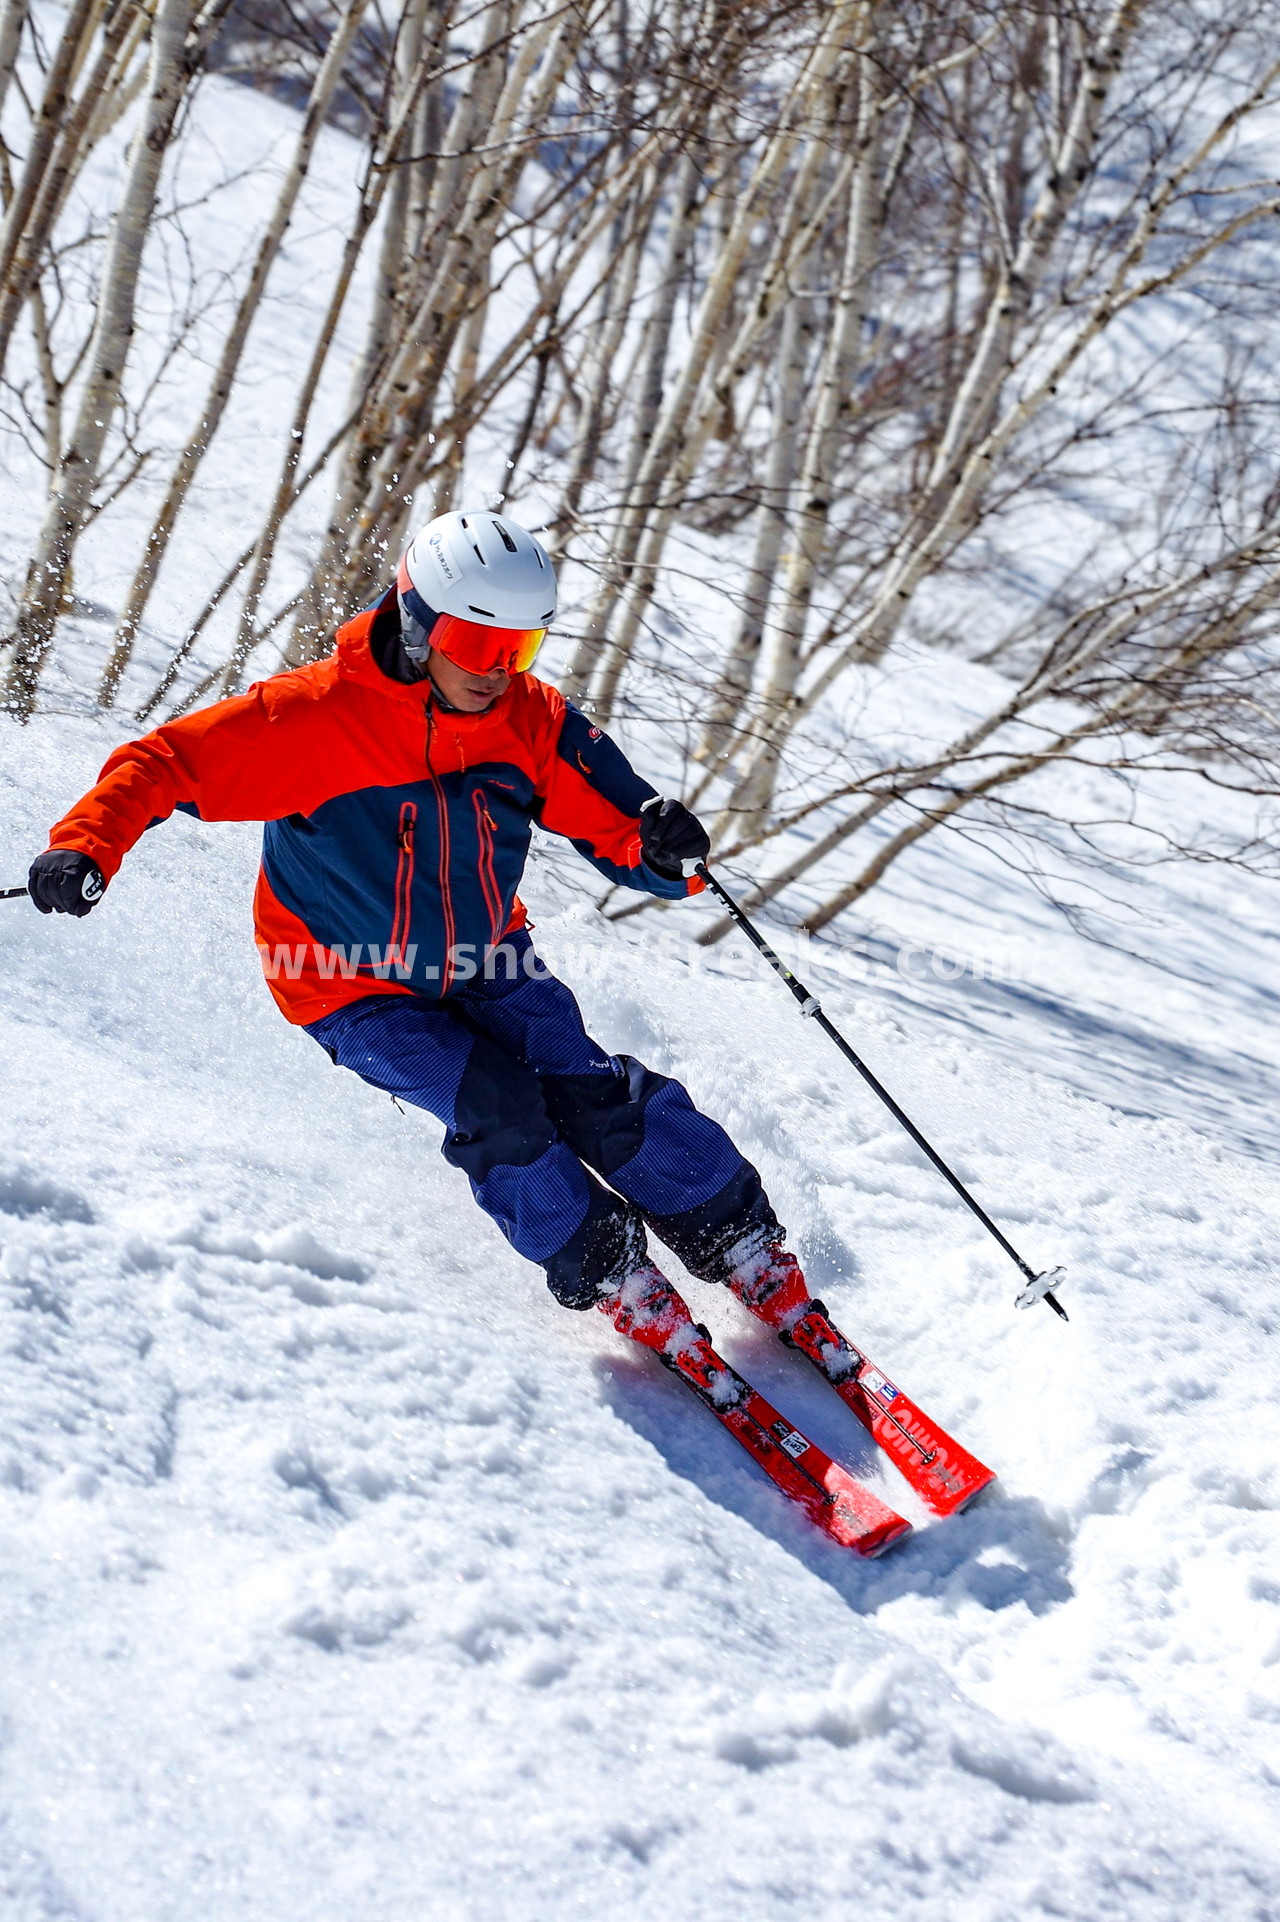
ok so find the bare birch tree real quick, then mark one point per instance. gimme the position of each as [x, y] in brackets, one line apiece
[816, 315]
[233, 347]
[70, 501]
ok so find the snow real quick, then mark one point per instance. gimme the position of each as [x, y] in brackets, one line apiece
[343, 1575]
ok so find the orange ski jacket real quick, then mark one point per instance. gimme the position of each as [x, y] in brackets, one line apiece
[396, 831]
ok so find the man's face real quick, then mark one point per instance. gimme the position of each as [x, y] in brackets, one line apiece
[469, 693]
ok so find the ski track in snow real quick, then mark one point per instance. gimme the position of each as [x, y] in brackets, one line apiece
[344, 1575]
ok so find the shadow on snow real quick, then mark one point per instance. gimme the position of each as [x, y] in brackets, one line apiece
[1001, 1552]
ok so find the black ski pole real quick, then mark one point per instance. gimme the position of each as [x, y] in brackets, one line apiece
[12, 894]
[1039, 1286]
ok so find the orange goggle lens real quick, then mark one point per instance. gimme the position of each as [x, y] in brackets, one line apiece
[479, 650]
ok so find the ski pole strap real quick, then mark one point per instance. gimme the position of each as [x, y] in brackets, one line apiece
[12, 894]
[809, 1005]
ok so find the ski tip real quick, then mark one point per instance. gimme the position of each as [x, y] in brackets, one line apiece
[855, 1516]
[859, 1520]
[943, 1503]
[879, 1540]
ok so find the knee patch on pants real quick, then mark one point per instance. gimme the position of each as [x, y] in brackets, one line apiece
[604, 1249]
[734, 1223]
[499, 1117]
[640, 1130]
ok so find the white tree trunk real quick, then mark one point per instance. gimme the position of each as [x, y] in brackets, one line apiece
[835, 400]
[12, 20]
[617, 292]
[773, 518]
[931, 533]
[708, 347]
[654, 348]
[233, 346]
[113, 330]
[317, 606]
[44, 133]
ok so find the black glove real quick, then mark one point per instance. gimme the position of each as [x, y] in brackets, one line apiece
[669, 836]
[64, 881]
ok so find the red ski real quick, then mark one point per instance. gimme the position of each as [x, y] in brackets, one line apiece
[944, 1475]
[843, 1507]
[650, 1311]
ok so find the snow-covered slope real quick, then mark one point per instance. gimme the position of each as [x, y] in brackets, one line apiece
[345, 1576]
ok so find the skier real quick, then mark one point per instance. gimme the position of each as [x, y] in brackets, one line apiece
[398, 780]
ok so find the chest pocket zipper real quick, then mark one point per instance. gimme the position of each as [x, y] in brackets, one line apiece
[486, 828]
[404, 879]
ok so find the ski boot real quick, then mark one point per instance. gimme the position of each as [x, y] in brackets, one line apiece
[646, 1308]
[768, 1280]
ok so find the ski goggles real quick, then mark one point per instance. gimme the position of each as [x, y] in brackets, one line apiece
[479, 650]
[467, 644]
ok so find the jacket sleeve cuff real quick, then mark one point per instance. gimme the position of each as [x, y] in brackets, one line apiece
[106, 858]
[670, 887]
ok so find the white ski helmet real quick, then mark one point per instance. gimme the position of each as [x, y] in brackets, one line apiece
[479, 567]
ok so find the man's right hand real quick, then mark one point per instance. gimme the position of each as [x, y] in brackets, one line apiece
[64, 881]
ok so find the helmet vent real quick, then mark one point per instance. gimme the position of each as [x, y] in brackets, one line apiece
[479, 556]
[481, 610]
[507, 541]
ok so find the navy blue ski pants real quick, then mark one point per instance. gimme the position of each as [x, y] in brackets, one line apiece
[532, 1105]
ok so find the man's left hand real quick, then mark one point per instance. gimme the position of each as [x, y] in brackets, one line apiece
[670, 836]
